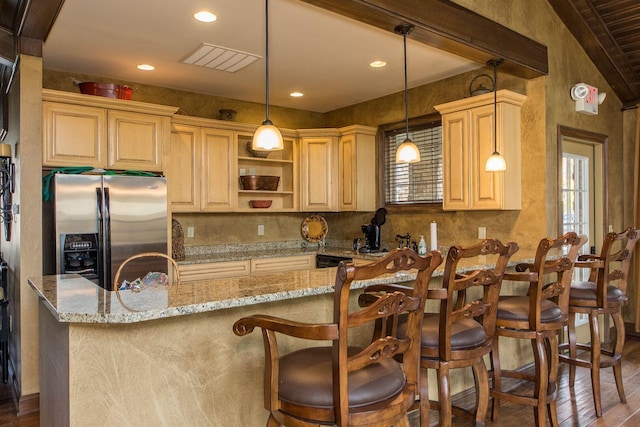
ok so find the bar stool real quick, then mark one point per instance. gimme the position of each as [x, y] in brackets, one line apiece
[461, 332]
[339, 383]
[604, 293]
[539, 317]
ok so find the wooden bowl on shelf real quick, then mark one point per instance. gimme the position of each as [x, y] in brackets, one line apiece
[259, 182]
[256, 153]
[260, 204]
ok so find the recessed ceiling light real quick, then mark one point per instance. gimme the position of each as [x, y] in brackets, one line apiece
[377, 64]
[146, 67]
[296, 94]
[204, 16]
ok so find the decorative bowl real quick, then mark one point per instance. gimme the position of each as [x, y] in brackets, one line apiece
[259, 182]
[260, 203]
[109, 90]
[255, 153]
[227, 114]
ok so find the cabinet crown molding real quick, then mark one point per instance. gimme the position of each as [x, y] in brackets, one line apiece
[503, 96]
[104, 102]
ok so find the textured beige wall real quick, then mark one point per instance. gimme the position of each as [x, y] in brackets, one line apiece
[194, 104]
[24, 252]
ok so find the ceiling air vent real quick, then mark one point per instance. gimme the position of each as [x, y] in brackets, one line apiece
[219, 58]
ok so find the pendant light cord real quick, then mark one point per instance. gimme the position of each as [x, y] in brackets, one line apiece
[406, 92]
[404, 30]
[266, 50]
[494, 63]
[495, 106]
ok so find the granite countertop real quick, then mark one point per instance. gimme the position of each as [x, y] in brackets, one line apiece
[74, 299]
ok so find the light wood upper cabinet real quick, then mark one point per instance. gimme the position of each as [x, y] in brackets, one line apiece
[136, 140]
[281, 163]
[218, 190]
[319, 169]
[467, 142]
[86, 130]
[357, 169]
[183, 169]
[338, 169]
[207, 158]
[74, 135]
[201, 168]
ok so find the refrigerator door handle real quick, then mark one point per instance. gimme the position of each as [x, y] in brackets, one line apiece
[101, 246]
[107, 239]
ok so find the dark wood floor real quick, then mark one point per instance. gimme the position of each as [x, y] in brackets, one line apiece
[575, 406]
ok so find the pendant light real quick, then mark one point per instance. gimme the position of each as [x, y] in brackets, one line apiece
[267, 137]
[495, 162]
[407, 152]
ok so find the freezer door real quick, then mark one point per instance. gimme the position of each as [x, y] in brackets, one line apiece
[135, 222]
[75, 209]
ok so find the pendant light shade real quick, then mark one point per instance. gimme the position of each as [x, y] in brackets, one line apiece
[495, 162]
[407, 152]
[267, 137]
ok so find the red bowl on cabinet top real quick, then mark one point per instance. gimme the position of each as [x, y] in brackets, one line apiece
[108, 90]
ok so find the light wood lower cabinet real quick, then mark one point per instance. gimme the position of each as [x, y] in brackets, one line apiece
[213, 270]
[280, 264]
[220, 270]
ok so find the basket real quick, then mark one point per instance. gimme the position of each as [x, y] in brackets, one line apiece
[116, 279]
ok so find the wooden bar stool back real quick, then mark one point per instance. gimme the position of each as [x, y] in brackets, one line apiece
[538, 316]
[461, 333]
[342, 384]
[604, 293]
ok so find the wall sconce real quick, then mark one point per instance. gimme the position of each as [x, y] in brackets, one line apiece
[7, 187]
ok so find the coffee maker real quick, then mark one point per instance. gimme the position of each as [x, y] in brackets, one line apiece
[372, 232]
[371, 237]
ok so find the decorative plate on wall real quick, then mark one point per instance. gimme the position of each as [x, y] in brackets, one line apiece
[314, 228]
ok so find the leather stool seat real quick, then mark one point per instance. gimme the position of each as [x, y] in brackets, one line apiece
[467, 333]
[588, 291]
[305, 379]
[516, 308]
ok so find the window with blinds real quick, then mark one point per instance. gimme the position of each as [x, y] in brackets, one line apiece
[415, 182]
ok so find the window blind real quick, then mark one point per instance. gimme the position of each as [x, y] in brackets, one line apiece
[419, 182]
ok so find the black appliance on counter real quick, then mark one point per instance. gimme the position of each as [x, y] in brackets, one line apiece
[372, 232]
[371, 237]
[326, 261]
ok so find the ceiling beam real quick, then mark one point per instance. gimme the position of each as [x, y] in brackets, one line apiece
[452, 28]
[618, 73]
[39, 18]
[25, 27]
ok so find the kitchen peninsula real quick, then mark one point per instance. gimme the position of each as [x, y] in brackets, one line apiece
[168, 356]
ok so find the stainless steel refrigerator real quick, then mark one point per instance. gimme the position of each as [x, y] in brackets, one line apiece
[95, 222]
